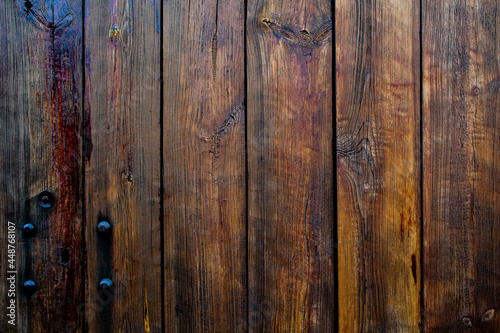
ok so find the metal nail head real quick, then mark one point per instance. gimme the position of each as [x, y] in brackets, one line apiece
[28, 230]
[29, 287]
[104, 227]
[105, 284]
[46, 199]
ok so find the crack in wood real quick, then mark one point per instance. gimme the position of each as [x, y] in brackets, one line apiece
[215, 42]
[220, 133]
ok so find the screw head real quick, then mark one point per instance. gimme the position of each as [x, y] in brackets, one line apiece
[105, 284]
[29, 287]
[104, 227]
[46, 199]
[28, 230]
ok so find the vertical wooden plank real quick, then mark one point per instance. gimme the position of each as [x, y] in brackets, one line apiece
[461, 165]
[122, 164]
[378, 156]
[40, 121]
[290, 166]
[204, 166]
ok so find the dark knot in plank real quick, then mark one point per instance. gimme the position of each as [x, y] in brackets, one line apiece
[49, 16]
[302, 38]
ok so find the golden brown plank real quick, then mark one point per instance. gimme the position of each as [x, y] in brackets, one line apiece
[40, 121]
[461, 165]
[122, 165]
[290, 166]
[204, 166]
[378, 148]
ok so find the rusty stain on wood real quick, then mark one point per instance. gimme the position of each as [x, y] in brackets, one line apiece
[41, 120]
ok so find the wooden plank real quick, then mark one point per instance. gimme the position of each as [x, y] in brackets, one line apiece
[290, 166]
[122, 164]
[40, 121]
[378, 170]
[461, 165]
[204, 166]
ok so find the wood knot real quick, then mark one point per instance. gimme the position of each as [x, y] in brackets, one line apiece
[45, 17]
[475, 90]
[114, 34]
[127, 178]
[28, 5]
[488, 315]
[466, 322]
[303, 37]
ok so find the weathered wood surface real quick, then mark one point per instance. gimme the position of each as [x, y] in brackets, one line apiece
[290, 166]
[241, 195]
[461, 165]
[122, 165]
[204, 166]
[378, 170]
[40, 121]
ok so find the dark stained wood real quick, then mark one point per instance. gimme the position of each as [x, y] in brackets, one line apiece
[40, 121]
[122, 164]
[461, 165]
[378, 165]
[204, 166]
[290, 166]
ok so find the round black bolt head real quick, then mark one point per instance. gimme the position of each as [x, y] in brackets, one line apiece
[105, 284]
[29, 287]
[29, 230]
[46, 199]
[104, 227]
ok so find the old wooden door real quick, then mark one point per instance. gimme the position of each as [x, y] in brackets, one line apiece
[249, 165]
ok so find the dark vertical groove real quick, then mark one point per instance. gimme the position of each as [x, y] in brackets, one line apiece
[421, 85]
[245, 27]
[335, 187]
[216, 16]
[162, 213]
[81, 308]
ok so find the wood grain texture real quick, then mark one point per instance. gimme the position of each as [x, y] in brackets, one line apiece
[40, 120]
[290, 166]
[461, 165]
[378, 177]
[204, 166]
[122, 164]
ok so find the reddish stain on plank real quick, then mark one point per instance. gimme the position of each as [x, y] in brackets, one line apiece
[63, 106]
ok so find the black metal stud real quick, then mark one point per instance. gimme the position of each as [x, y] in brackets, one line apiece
[105, 284]
[29, 230]
[104, 227]
[29, 287]
[46, 199]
